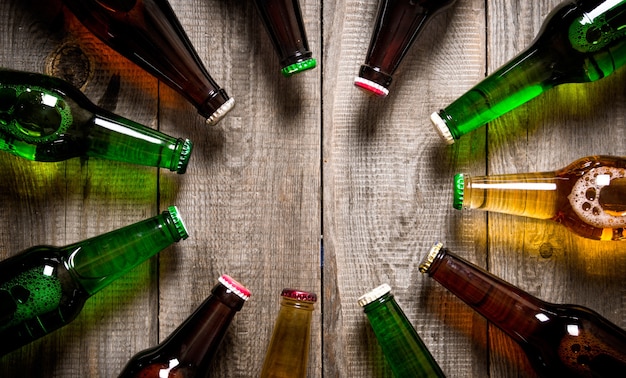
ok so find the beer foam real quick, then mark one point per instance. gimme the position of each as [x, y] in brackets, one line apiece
[585, 197]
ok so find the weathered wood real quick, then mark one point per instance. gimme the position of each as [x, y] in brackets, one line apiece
[298, 158]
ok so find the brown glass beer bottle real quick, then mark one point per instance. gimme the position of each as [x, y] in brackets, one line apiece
[560, 340]
[398, 24]
[188, 350]
[148, 33]
[283, 21]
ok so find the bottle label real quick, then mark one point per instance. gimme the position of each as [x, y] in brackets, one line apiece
[599, 197]
[28, 295]
[599, 27]
[32, 114]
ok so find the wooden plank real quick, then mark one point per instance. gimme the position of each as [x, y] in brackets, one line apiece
[61, 203]
[387, 188]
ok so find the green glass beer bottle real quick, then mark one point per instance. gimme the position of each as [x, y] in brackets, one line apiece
[404, 350]
[43, 118]
[588, 196]
[44, 287]
[560, 340]
[581, 41]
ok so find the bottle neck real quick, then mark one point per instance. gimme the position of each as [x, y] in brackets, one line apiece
[116, 138]
[534, 195]
[195, 341]
[98, 261]
[288, 352]
[511, 309]
[403, 348]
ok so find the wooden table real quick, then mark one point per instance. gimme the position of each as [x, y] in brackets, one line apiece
[303, 157]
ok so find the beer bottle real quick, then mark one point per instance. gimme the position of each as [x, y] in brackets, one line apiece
[588, 196]
[43, 118]
[188, 351]
[44, 287]
[398, 24]
[560, 340]
[283, 21]
[404, 350]
[580, 41]
[148, 33]
[288, 351]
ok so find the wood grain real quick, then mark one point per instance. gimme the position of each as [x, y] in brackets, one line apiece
[302, 157]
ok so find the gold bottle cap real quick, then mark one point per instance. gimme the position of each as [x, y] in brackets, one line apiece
[434, 250]
[374, 294]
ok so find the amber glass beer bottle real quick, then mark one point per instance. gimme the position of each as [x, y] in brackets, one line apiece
[404, 350]
[43, 118]
[588, 196]
[560, 340]
[148, 33]
[188, 351]
[44, 287]
[283, 21]
[398, 25]
[580, 41]
[288, 353]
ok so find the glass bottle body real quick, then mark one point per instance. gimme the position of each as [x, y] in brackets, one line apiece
[283, 21]
[44, 288]
[559, 340]
[580, 41]
[188, 351]
[588, 196]
[288, 352]
[148, 33]
[43, 118]
[398, 25]
[404, 350]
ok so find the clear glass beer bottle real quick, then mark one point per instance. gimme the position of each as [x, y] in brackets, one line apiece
[288, 353]
[560, 340]
[404, 350]
[588, 196]
[148, 33]
[398, 25]
[44, 287]
[188, 351]
[43, 118]
[580, 41]
[283, 21]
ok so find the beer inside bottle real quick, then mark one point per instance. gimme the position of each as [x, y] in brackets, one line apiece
[588, 196]
[581, 41]
[43, 118]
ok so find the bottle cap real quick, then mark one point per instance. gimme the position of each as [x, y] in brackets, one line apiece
[234, 286]
[442, 128]
[178, 222]
[459, 186]
[299, 295]
[298, 67]
[185, 154]
[371, 86]
[220, 112]
[373, 295]
[432, 254]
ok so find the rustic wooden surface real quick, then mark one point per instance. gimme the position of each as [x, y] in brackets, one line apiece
[303, 157]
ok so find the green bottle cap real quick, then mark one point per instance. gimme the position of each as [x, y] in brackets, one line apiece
[459, 185]
[298, 67]
[373, 295]
[185, 154]
[178, 222]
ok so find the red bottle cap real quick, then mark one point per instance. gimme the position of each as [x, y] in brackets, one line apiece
[299, 295]
[235, 286]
